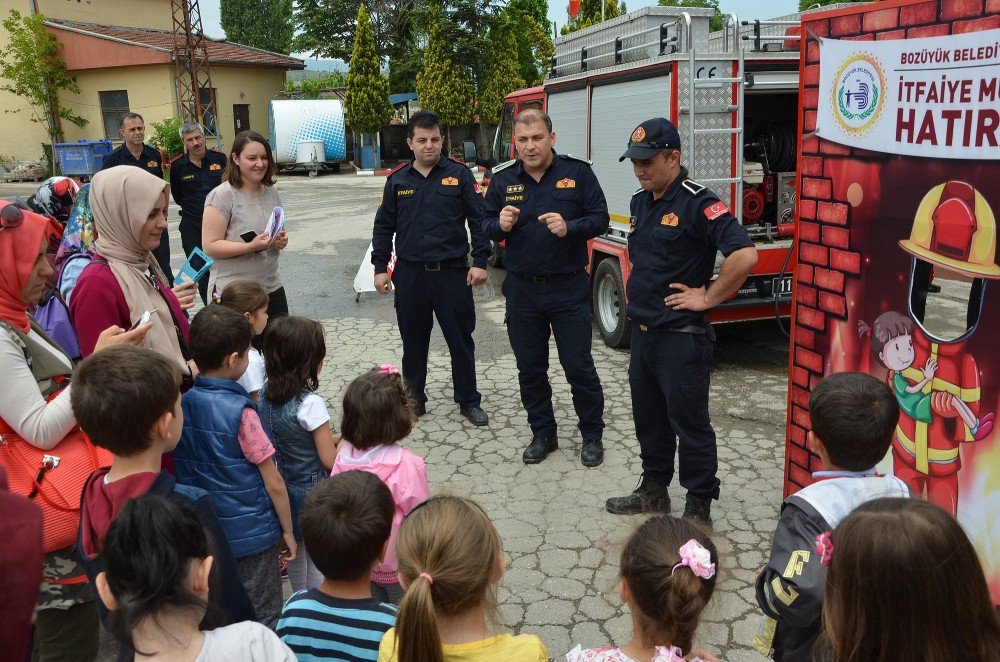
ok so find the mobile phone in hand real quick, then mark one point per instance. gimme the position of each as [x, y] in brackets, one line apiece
[142, 320]
[248, 236]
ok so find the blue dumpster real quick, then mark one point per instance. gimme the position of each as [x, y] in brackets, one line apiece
[82, 158]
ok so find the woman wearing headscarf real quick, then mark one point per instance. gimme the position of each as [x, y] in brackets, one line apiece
[34, 368]
[123, 281]
[53, 200]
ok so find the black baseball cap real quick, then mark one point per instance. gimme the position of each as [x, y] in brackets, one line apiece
[650, 138]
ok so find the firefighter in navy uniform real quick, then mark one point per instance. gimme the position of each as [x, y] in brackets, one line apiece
[193, 175]
[546, 206]
[678, 225]
[135, 152]
[425, 204]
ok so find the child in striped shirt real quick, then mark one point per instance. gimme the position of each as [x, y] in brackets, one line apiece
[345, 523]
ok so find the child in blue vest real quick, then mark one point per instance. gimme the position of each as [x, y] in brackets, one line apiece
[297, 421]
[225, 451]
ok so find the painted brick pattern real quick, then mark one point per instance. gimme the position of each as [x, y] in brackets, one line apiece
[828, 259]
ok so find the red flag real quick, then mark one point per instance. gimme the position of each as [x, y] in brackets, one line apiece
[574, 8]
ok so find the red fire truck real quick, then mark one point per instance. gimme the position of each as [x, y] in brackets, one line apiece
[733, 94]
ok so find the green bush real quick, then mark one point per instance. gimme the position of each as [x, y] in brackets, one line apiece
[167, 139]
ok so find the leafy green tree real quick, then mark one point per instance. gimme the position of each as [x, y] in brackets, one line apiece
[265, 24]
[326, 27]
[441, 86]
[590, 14]
[367, 98]
[313, 87]
[717, 22]
[465, 26]
[30, 68]
[167, 139]
[503, 76]
[530, 23]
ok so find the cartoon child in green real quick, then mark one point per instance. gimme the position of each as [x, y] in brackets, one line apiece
[892, 340]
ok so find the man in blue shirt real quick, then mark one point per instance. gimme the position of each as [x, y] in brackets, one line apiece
[678, 225]
[425, 205]
[546, 206]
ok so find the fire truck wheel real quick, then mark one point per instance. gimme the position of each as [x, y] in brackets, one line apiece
[608, 301]
[496, 257]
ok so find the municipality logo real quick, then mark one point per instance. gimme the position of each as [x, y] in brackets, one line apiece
[859, 93]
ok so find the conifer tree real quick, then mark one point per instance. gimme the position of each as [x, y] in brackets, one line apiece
[367, 98]
[503, 77]
[442, 86]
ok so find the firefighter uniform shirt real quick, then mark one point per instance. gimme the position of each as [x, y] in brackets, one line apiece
[189, 184]
[568, 187]
[674, 240]
[428, 214]
[149, 159]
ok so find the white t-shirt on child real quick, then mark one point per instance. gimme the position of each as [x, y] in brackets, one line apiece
[312, 412]
[255, 377]
[244, 642]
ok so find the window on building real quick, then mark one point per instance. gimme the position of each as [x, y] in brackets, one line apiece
[209, 111]
[114, 104]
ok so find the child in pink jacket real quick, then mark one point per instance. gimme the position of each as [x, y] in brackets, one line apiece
[377, 415]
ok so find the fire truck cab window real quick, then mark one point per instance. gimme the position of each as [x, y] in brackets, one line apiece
[505, 132]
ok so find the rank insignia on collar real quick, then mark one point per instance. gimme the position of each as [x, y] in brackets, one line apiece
[716, 210]
[449, 181]
[566, 183]
[152, 164]
[215, 166]
[670, 220]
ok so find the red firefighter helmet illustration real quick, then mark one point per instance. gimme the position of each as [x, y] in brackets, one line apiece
[954, 228]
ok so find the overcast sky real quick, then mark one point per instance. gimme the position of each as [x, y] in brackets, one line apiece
[745, 9]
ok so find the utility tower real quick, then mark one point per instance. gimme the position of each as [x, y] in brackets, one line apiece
[195, 94]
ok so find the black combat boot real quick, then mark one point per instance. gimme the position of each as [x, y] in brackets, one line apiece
[698, 509]
[592, 452]
[539, 449]
[649, 497]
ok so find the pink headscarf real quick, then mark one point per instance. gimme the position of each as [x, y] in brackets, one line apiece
[18, 253]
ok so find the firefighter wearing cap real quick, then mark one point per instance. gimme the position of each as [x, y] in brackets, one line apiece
[954, 228]
[425, 205]
[677, 227]
[546, 206]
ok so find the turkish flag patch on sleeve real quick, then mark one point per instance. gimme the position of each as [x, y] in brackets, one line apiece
[716, 210]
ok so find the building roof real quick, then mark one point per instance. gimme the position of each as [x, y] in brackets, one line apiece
[162, 41]
[400, 99]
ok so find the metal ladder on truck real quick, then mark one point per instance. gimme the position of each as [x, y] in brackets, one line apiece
[712, 108]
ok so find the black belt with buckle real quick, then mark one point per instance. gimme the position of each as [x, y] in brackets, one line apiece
[698, 329]
[548, 278]
[460, 263]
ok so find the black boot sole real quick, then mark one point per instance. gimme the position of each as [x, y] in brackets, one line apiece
[592, 463]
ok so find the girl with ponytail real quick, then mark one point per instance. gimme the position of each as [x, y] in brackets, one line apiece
[158, 562]
[450, 563]
[668, 570]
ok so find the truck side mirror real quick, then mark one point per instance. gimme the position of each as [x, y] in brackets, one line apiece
[470, 152]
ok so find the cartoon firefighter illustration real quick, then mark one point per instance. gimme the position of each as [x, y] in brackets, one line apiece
[937, 382]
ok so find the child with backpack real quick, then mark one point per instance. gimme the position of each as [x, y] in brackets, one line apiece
[296, 419]
[853, 419]
[667, 577]
[225, 451]
[905, 583]
[377, 416]
[158, 559]
[249, 299]
[450, 563]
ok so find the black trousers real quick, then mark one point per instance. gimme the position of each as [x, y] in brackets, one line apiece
[190, 240]
[421, 296]
[162, 255]
[534, 312]
[669, 374]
